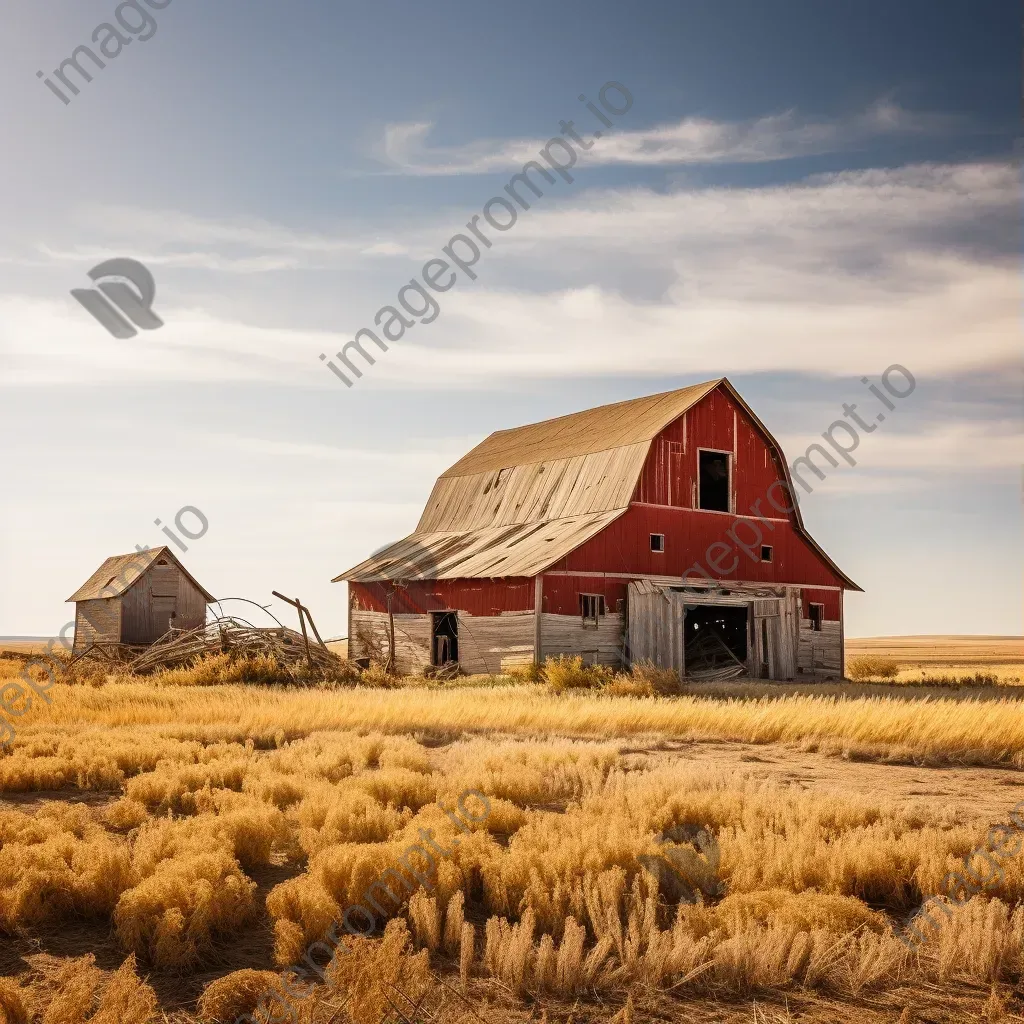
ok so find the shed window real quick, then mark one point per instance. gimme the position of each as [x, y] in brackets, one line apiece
[591, 609]
[817, 614]
[766, 552]
[657, 542]
[713, 480]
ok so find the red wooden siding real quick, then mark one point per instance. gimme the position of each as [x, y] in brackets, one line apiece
[664, 499]
[476, 596]
[663, 502]
[670, 473]
[829, 598]
[625, 547]
[561, 593]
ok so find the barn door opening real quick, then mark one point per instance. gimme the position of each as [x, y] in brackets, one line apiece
[444, 640]
[715, 641]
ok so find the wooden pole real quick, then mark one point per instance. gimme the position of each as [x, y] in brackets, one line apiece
[297, 604]
[390, 666]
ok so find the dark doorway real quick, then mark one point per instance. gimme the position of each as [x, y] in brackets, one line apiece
[715, 640]
[713, 487]
[444, 639]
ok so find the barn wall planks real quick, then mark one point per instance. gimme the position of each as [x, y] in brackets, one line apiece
[162, 597]
[829, 598]
[477, 596]
[566, 634]
[624, 546]
[562, 593]
[95, 621]
[485, 641]
[820, 653]
[191, 604]
[412, 638]
[656, 616]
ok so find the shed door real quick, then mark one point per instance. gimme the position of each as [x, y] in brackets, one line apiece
[165, 611]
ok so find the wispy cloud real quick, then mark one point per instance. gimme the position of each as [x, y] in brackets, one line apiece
[406, 149]
[845, 273]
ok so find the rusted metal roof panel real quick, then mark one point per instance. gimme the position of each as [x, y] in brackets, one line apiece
[522, 549]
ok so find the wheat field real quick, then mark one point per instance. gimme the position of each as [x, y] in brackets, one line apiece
[167, 850]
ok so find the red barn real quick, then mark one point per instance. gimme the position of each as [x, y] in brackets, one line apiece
[661, 528]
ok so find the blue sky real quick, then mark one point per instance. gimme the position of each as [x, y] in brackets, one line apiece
[800, 195]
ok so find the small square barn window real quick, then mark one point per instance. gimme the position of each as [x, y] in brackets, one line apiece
[657, 542]
[766, 552]
[817, 614]
[591, 609]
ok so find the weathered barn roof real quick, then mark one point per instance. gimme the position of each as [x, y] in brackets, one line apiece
[119, 572]
[619, 425]
[547, 486]
[520, 550]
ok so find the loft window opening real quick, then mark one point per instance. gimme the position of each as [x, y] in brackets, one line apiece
[817, 614]
[766, 552]
[713, 480]
[591, 609]
[657, 542]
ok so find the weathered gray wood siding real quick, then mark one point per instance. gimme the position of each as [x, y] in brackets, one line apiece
[162, 591]
[655, 616]
[566, 634]
[821, 653]
[487, 643]
[97, 621]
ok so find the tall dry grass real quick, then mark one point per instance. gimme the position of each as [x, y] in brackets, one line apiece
[556, 891]
[931, 731]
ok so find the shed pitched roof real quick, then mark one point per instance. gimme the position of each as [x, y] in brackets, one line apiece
[119, 572]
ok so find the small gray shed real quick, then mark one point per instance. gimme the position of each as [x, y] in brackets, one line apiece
[136, 598]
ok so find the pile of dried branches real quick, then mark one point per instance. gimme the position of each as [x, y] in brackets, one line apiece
[229, 635]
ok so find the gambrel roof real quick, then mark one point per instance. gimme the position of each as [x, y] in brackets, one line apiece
[526, 497]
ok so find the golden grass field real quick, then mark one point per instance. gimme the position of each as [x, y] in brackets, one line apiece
[167, 849]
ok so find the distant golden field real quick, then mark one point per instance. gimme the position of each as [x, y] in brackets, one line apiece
[167, 849]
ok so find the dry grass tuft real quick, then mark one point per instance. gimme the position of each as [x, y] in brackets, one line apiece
[567, 672]
[373, 971]
[663, 681]
[13, 1002]
[236, 994]
[872, 667]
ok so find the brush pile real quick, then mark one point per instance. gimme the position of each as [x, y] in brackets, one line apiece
[229, 635]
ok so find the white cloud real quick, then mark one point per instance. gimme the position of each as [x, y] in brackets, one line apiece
[693, 140]
[839, 274]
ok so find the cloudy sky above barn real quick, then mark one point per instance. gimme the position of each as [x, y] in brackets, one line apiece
[800, 195]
